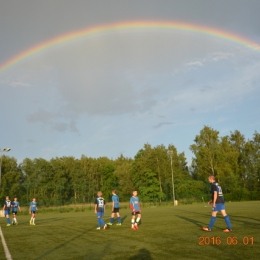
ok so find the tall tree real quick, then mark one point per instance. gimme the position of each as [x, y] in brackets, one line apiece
[207, 152]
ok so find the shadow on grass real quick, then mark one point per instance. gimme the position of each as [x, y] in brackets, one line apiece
[123, 218]
[196, 213]
[49, 220]
[40, 221]
[45, 255]
[193, 221]
[142, 254]
[246, 222]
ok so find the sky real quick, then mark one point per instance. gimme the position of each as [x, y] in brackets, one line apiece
[110, 92]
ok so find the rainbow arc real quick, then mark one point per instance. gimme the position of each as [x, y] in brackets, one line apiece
[126, 26]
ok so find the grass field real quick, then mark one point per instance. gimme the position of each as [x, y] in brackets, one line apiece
[165, 233]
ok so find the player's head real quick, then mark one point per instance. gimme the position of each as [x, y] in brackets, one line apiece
[34, 199]
[211, 178]
[134, 193]
[99, 193]
[15, 199]
[7, 197]
[113, 191]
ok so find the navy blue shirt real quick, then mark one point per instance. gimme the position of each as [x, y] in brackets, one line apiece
[100, 202]
[215, 187]
[7, 204]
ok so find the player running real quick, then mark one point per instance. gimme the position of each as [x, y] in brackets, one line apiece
[15, 207]
[100, 205]
[217, 205]
[136, 210]
[32, 210]
[7, 209]
[115, 209]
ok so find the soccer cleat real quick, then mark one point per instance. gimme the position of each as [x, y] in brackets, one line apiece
[136, 226]
[98, 228]
[105, 227]
[118, 224]
[110, 224]
[8, 225]
[227, 230]
[30, 222]
[206, 229]
[133, 228]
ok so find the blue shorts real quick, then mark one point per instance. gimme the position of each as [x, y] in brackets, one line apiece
[219, 207]
[100, 214]
[7, 212]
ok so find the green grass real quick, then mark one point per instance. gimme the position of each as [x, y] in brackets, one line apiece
[165, 233]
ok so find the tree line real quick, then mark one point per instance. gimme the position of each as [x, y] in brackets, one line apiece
[234, 160]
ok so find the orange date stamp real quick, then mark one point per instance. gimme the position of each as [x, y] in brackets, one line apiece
[230, 240]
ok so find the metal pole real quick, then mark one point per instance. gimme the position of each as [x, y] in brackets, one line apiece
[170, 154]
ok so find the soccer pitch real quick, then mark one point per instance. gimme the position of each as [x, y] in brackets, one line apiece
[165, 233]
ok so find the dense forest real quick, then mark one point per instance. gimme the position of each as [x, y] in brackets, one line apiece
[234, 160]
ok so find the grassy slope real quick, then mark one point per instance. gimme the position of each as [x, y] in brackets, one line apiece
[165, 233]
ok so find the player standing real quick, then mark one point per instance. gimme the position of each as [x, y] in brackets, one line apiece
[32, 210]
[7, 209]
[218, 204]
[136, 210]
[15, 207]
[100, 205]
[115, 209]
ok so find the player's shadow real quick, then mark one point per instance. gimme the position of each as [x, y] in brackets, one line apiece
[247, 223]
[142, 254]
[49, 252]
[49, 220]
[123, 218]
[197, 223]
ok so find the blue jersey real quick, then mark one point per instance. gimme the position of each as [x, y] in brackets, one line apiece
[33, 206]
[15, 205]
[7, 204]
[115, 199]
[135, 203]
[100, 202]
[215, 187]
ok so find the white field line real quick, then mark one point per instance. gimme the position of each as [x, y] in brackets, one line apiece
[7, 253]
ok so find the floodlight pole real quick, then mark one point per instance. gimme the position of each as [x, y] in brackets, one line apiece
[170, 153]
[2, 150]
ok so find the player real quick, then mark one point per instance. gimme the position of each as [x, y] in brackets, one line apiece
[15, 207]
[7, 209]
[136, 210]
[32, 210]
[100, 205]
[217, 202]
[115, 209]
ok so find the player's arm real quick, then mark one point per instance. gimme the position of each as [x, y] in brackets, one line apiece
[113, 205]
[131, 205]
[215, 196]
[95, 207]
[30, 209]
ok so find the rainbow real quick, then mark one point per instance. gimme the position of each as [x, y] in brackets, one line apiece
[126, 26]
